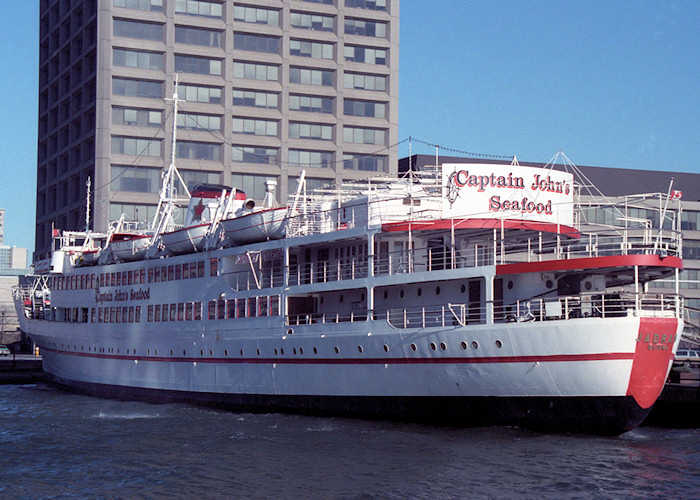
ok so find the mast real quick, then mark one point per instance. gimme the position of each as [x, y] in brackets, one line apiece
[87, 205]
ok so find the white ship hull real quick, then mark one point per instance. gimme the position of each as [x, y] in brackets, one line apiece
[263, 225]
[186, 240]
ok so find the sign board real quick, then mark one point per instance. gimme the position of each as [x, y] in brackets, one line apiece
[488, 191]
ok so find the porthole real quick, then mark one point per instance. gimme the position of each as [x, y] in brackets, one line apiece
[315, 351]
[549, 284]
[437, 290]
[499, 344]
[183, 352]
[464, 345]
[510, 285]
[275, 351]
[301, 350]
[294, 350]
[420, 292]
[201, 352]
[336, 349]
[463, 289]
[386, 294]
[282, 351]
[210, 352]
[171, 351]
[341, 298]
[359, 348]
[258, 352]
[475, 344]
[386, 348]
[401, 294]
[225, 352]
[433, 346]
[443, 346]
[290, 331]
[413, 347]
[588, 285]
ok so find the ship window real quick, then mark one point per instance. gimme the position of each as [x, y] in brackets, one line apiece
[386, 348]
[499, 344]
[188, 311]
[274, 305]
[150, 275]
[117, 314]
[437, 290]
[213, 266]
[156, 278]
[413, 347]
[156, 312]
[464, 345]
[359, 348]
[171, 273]
[433, 346]
[251, 307]
[137, 314]
[475, 344]
[262, 306]
[420, 292]
[231, 308]
[130, 277]
[221, 309]
[180, 311]
[212, 309]
[131, 314]
[197, 311]
[443, 346]
[92, 315]
[173, 312]
[125, 314]
[401, 294]
[149, 316]
[100, 315]
[164, 273]
[336, 349]
[178, 272]
[463, 289]
[386, 294]
[200, 269]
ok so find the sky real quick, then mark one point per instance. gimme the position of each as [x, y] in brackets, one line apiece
[610, 83]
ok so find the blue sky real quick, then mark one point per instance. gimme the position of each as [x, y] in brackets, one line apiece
[611, 83]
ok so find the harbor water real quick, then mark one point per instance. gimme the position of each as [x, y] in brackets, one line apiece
[55, 444]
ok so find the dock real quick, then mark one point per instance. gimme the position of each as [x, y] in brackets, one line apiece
[21, 369]
[679, 404]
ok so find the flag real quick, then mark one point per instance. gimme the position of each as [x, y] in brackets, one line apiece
[676, 194]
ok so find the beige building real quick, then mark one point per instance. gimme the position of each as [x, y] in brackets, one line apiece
[271, 87]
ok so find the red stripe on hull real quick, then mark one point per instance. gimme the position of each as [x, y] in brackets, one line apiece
[652, 359]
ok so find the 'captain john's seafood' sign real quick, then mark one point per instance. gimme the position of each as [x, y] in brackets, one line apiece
[489, 191]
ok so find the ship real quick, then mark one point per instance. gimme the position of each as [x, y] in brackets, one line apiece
[474, 294]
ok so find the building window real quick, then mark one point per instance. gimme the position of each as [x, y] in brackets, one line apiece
[138, 213]
[318, 159]
[315, 50]
[197, 36]
[364, 108]
[137, 117]
[360, 135]
[198, 150]
[191, 121]
[251, 154]
[256, 15]
[254, 127]
[365, 82]
[367, 55]
[255, 98]
[195, 93]
[135, 146]
[310, 131]
[312, 184]
[199, 8]
[366, 4]
[325, 2]
[137, 88]
[311, 77]
[194, 177]
[137, 59]
[252, 185]
[252, 71]
[137, 29]
[365, 28]
[135, 179]
[689, 220]
[314, 22]
[198, 65]
[256, 43]
[152, 5]
[365, 163]
[691, 249]
[312, 104]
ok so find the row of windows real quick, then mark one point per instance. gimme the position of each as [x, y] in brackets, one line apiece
[245, 14]
[187, 311]
[249, 71]
[250, 307]
[186, 270]
[255, 43]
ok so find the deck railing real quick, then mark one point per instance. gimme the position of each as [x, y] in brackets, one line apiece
[541, 309]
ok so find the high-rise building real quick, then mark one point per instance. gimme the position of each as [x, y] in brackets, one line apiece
[2, 226]
[271, 87]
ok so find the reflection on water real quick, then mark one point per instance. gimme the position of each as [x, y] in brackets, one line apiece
[60, 444]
